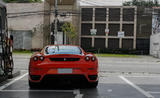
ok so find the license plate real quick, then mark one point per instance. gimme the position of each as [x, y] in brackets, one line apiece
[64, 70]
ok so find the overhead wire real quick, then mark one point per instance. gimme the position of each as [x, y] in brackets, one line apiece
[84, 14]
[67, 13]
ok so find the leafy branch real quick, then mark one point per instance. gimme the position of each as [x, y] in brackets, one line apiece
[143, 3]
[70, 31]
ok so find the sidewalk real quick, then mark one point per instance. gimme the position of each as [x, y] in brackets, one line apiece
[21, 62]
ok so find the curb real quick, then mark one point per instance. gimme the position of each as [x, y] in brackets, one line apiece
[4, 78]
[15, 74]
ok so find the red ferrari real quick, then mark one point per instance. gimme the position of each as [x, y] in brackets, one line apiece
[63, 63]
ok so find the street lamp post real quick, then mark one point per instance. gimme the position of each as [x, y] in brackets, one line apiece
[55, 21]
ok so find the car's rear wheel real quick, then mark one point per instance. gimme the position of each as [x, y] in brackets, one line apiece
[33, 85]
[93, 84]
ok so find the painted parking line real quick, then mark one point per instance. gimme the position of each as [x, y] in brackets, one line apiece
[76, 92]
[153, 92]
[13, 81]
[63, 91]
[144, 76]
[148, 95]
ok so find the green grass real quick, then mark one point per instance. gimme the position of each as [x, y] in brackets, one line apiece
[24, 52]
[115, 55]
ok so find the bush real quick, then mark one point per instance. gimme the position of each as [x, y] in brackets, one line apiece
[117, 51]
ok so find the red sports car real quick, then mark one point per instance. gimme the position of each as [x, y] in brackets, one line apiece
[63, 63]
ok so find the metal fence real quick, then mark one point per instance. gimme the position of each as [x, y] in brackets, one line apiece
[22, 39]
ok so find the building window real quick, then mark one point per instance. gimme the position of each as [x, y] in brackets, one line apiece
[100, 29]
[99, 43]
[114, 29]
[127, 43]
[85, 29]
[142, 44]
[144, 30]
[113, 43]
[86, 43]
[100, 14]
[128, 29]
[128, 14]
[114, 14]
[87, 14]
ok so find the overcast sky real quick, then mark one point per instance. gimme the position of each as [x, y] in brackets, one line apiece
[102, 2]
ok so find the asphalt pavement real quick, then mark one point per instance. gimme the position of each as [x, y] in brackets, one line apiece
[119, 78]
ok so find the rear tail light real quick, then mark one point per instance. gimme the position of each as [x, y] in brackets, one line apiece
[41, 58]
[87, 58]
[93, 58]
[35, 58]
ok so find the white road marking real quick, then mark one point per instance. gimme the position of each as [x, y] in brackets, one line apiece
[11, 82]
[136, 87]
[77, 93]
[109, 90]
[63, 91]
[153, 92]
[144, 76]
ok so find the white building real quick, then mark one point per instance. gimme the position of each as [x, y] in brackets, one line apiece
[155, 37]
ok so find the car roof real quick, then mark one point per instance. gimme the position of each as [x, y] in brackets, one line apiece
[63, 45]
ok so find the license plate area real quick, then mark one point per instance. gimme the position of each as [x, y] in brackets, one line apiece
[65, 70]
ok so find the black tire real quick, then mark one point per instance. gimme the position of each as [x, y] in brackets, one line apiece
[2, 66]
[93, 84]
[33, 85]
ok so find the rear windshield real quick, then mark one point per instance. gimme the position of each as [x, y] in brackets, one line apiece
[63, 50]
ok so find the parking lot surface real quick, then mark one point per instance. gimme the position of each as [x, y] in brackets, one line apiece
[119, 78]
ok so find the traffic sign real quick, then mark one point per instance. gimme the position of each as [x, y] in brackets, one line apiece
[121, 34]
[93, 31]
[107, 31]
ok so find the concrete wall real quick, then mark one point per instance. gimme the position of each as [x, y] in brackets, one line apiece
[22, 39]
[155, 45]
[39, 23]
[24, 22]
[20, 20]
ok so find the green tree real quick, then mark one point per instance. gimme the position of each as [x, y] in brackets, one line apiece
[22, 1]
[70, 31]
[156, 2]
[142, 3]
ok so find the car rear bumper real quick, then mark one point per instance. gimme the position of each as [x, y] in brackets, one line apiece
[37, 74]
[64, 77]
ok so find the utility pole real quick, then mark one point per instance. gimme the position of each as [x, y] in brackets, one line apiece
[55, 21]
